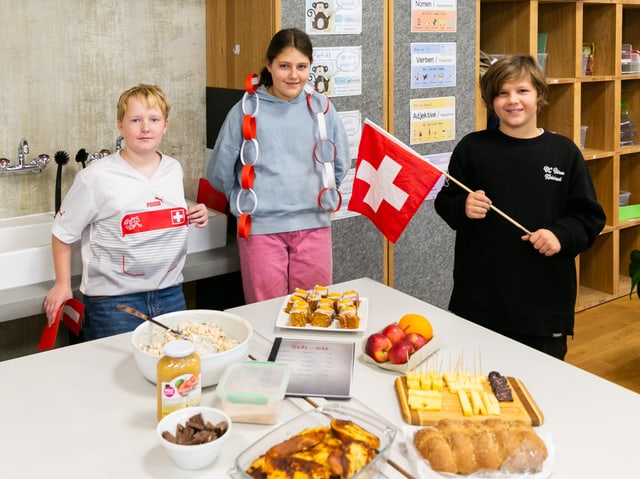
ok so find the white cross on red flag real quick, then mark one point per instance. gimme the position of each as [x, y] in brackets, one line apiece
[391, 181]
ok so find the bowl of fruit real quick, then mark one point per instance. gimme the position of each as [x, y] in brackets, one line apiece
[402, 345]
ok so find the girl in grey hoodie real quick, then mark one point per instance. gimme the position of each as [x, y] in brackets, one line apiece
[280, 157]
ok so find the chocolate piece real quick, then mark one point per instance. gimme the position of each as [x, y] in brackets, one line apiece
[169, 437]
[500, 387]
[195, 431]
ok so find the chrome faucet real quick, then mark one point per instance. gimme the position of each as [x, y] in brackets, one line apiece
[119, 141]
[23, 150]
[35, 166]
[96, 155]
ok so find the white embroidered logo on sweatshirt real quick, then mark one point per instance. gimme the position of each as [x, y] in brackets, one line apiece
[552, 173]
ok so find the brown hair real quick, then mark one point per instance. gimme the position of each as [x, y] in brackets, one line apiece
[285, 38]
[513, 68]
[148, 95]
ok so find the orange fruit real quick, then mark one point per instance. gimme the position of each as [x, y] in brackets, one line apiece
[416, 323]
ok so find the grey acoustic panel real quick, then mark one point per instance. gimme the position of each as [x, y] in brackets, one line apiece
[423, 259]
[357, 250]
[423, 256]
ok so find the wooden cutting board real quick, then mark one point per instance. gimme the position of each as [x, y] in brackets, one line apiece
[523, 406]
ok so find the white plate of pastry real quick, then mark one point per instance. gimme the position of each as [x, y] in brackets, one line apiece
[333, 325]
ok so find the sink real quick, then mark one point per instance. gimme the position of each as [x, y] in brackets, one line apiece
[25, 247]
[25, 251]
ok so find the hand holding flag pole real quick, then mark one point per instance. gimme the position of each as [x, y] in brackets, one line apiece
[494, 208]
[392, 181]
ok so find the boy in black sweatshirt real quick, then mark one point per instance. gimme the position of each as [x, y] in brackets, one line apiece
[520, 285]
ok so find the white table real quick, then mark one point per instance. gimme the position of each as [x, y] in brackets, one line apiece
[85, 411]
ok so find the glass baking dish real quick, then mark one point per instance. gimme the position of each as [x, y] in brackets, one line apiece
[320, 416]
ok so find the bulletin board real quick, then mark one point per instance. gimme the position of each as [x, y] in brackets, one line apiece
[423, 256]
[357, 244]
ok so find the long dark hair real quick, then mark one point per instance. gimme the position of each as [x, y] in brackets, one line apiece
[285, 38]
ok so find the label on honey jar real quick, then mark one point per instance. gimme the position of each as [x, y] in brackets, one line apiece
[178, 381]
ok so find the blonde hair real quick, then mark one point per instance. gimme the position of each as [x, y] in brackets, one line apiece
[150, 96]
[512, 68]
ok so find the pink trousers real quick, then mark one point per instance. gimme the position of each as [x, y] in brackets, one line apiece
[273, 265]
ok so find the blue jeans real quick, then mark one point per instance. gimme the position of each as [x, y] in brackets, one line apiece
[102, 318]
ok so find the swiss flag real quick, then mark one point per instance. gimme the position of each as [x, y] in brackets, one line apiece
[391, 181]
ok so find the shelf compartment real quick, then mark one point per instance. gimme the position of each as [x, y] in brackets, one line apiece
[599, 265]
[630, 176]
[630, 22]
[558, 20]
[556, 116]
[603, 174]
[596, 101]
[599, 27]
[630, 93]
[513, 20]
[629, 241]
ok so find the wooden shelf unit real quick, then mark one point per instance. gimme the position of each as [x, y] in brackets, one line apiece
[512, 26]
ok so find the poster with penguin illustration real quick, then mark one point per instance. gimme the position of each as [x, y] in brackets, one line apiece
[333, 17]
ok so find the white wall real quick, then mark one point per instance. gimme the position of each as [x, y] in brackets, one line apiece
[64, 65]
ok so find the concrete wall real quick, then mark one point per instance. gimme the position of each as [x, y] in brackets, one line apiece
[64, 65]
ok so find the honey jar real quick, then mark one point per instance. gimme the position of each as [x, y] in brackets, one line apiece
[178, 380]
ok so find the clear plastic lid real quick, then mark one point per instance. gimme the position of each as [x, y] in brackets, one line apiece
[179, 348]
[253, 382]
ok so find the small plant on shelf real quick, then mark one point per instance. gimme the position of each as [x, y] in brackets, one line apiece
[634, 271]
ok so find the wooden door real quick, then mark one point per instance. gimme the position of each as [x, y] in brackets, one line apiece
[238, 33]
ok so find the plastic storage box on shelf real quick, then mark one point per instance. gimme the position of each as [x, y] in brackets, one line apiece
[253, 391]
[583, 136]
[626, 58]
[630, 62]
[629, 212]
[624, 198]
[628, 127]
[542, 61]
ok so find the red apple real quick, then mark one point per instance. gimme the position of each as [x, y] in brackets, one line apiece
[400, 352]
[393, 332]
[378, 346]
[417, 339]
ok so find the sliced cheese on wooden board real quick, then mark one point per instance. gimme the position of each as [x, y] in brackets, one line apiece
[523, 406]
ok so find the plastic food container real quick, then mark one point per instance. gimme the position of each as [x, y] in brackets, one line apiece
[624, 198]
[253, 391]
[321, 416]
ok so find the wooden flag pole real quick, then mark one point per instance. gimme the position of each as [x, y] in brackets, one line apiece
[447, 175]
[494, 208]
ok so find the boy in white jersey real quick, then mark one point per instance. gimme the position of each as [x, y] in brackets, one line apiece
[129, 211]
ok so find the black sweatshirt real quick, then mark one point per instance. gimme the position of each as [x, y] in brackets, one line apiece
[500, 281]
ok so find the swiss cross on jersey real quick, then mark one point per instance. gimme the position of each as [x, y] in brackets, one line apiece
[153, 220]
